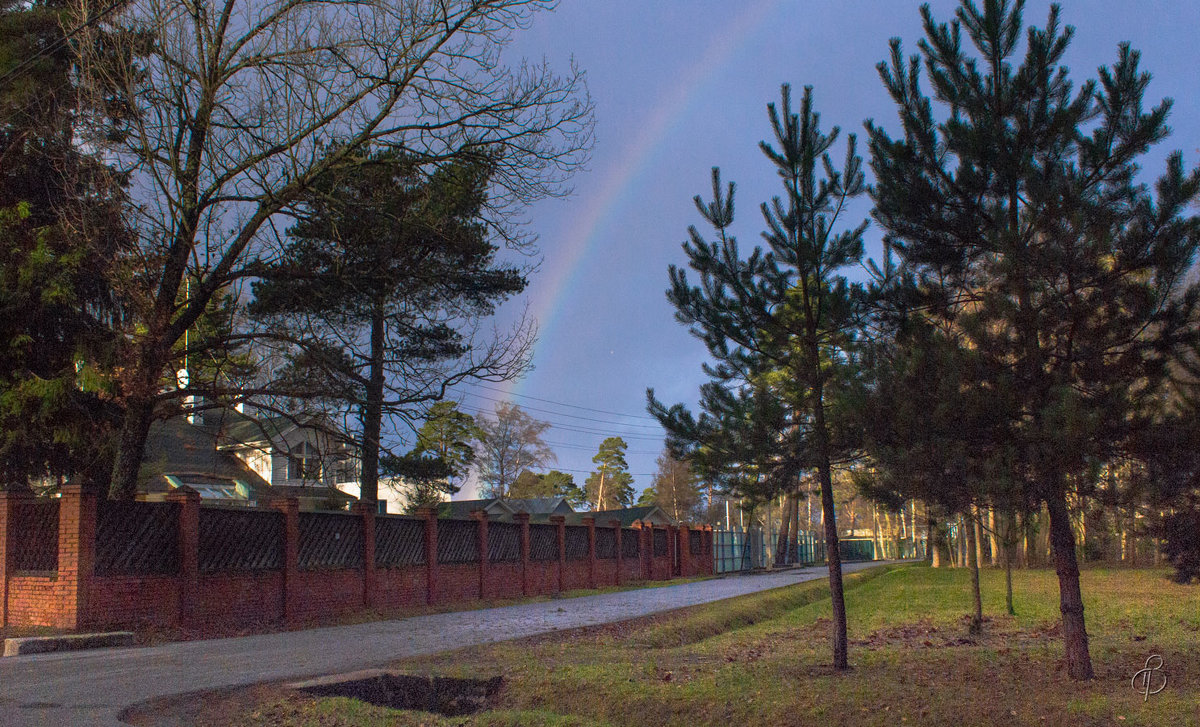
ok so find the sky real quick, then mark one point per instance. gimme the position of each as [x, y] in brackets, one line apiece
[680, 87]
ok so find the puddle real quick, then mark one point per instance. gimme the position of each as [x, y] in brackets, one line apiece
[443, 695]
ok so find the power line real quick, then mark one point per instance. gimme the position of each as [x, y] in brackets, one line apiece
[572, 416]
[560, 403]
[643, 436]
[592, 449]
[588, 472]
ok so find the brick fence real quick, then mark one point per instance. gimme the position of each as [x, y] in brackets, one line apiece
[78, 562]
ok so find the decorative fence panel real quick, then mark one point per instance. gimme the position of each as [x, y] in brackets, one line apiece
[543, 542]
[34, 536]
[660, 543]
[504, 542]
[399, 541]
[136, 537]
[330, 540]
[695, 542]
[577, 542]
[458, 541]
[606, 544]
[240, 539]
[630, 543]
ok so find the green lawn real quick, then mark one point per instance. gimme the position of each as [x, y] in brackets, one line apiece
[764, 660]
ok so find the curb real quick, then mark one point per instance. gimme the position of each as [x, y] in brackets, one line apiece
[72, 642]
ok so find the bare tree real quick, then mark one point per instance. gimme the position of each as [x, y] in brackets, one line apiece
[239, 106]
[512, 442]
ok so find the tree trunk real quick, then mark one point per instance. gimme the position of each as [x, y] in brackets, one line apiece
[782, 556]
[1009, 541]
[961, 541]
[876, 542]
[372, 413]
[938, 552]
[140, 398]
[794, 531]
[977, 536]
[135, 428]
[994, 537]
[832, 555]
[834, 558]
[1075, 640]
[973, 559]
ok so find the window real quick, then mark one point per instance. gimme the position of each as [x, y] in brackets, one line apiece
[304, 463]
[344, 469]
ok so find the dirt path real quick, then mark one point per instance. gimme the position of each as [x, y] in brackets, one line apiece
[92, 688]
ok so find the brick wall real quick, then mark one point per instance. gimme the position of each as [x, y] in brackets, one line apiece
[400, 587]
[327, 593]
[242, 599]
[132, 599]
[77, 597]
[457, 582]
[34, 600]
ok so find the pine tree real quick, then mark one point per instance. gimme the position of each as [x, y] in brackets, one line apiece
[443, 453]
[385, 269]
[1018, 199]
[61, 234]
[781, 323]
[611, 486]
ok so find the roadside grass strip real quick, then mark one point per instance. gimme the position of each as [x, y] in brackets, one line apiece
[764, 659]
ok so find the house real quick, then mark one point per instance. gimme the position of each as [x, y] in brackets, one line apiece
[628, 516]
[502, 509]
[235, 459]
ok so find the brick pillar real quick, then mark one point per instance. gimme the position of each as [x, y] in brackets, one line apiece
[590, 522]
[481, 519]
[560, 525]
[429, 515]
[290, 507]
[368, 528]
[189, 550]
[673, 549]
[76, 554]
[685, 551]
[8, 500]
[647, 550]
[522, 519]
[617, 539]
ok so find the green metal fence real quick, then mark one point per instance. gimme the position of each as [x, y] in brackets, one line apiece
[742, 550]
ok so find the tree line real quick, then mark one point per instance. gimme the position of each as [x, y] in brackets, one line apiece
[1025, 347]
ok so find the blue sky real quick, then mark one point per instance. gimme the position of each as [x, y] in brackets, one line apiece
[681, 87]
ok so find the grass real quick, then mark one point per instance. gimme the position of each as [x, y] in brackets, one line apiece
[764, 659]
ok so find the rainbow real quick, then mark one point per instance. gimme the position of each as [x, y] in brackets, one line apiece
[569, 257]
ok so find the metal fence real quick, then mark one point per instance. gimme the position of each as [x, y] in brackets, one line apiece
[136, 538]
[34, 536]
[741, 550]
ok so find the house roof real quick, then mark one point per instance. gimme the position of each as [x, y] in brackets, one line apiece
[464, 508]
[541, 505]
[188, 453]
[627, 516]
[236, 429]
[539, 508]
